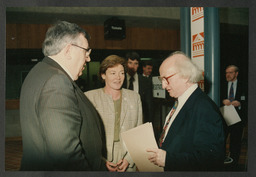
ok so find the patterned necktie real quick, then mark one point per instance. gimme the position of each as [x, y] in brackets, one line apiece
[131, 83]
[231, 93]
[161, 140]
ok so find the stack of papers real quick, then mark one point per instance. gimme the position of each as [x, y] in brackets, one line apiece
[230, 115]
[137, 141]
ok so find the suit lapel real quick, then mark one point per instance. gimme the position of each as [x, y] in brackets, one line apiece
[141, 84]
[78, 91]
[124, 106]
[176, 125]
[88, 106]
[125, 82]
[238, 91]
[181, 117]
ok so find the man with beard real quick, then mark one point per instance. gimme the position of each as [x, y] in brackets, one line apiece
[139, 84]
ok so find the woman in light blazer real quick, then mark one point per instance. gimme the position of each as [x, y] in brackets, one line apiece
[120, 110]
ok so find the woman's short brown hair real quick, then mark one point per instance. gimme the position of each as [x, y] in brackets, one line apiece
[111, 61]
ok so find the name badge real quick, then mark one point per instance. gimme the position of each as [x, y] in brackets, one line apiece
[242, 97]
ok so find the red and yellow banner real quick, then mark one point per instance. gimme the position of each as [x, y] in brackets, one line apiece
[197, 38]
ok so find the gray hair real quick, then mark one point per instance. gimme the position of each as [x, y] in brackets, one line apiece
[233, 66]
[186, 68]
[59, 35]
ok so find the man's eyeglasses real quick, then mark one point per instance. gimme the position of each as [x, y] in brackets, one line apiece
[88, 51]
[165, 79]
[230, 72]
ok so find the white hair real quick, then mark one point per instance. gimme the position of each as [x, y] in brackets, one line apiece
[186, 68]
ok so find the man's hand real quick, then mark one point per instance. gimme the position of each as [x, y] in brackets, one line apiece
[157, 156]
[236, 103]
[226, 102]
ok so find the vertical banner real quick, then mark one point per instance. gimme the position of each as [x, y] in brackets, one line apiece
[197, 39]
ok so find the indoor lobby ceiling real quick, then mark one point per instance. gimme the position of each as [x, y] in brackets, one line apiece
[149, 17]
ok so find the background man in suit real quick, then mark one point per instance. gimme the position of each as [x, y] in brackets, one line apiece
[193, 137]
[233, 93]
[147, 68]
[61, 130]
[139, 84]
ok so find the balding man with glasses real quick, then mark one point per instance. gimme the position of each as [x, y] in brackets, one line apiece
[192, 138]
[234, 93]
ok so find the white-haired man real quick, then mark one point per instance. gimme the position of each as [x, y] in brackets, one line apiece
[193, 137]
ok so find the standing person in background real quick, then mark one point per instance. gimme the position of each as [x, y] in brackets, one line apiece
[147, 68]
[61, 130]
[139, 84]
[120, 110]
[193, 136]
[233, 93]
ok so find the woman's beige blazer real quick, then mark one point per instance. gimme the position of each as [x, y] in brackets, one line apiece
[130, 117]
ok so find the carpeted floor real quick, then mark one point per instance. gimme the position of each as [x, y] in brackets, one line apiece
[13, 154]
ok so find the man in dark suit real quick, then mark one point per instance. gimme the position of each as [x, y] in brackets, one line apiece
[139, 84]
[61, 130]
[147, 68]
[193, 137]
[233, 93]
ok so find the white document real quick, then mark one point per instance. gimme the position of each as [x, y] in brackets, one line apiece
[137, 141]
[230, 115]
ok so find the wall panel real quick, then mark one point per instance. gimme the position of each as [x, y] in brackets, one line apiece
[31, 36]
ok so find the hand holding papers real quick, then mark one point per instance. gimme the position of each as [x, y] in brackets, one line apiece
[230, 115]
[157, 156]
[137, 141]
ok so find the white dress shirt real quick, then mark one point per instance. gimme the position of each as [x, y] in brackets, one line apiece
[135, 82]
[234, 87]
[145, 75]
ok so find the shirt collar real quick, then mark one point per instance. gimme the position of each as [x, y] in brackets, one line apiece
[234, 82]
[183, 98]
[135, 76]
[65, 69]
[145, 75]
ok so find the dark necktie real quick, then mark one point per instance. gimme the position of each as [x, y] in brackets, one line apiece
[131, 83]
[161, 140]
[231, 93]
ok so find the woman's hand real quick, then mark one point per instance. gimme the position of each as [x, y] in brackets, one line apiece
[111, 166]
[122, 165]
